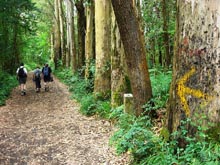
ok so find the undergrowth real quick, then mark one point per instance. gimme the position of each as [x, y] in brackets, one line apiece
[7, 83]
[135, 135]
[82, 91]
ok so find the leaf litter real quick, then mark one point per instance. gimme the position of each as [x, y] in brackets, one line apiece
[46, 128]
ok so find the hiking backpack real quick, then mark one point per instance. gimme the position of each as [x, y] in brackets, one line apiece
[37, 74]
[21, 73]
[46, 71]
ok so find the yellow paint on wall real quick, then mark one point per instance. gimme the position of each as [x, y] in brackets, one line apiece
[182, 91]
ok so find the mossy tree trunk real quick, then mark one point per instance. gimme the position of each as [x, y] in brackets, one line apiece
[118, 83]
[195, 87]
[135, 53]
[103, 40]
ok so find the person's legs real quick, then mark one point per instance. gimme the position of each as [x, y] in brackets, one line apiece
[46, 83]
[24, 85]
[38, 86]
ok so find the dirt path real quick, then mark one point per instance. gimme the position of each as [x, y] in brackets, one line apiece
[46, 129]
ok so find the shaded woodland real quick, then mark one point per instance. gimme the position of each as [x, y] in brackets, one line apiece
[164, 53]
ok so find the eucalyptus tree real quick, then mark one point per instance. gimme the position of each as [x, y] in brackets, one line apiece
[118, 66]
[81, 27]
[62, 32]
[195, 86]
[135, 53]
[57, 33]
[70, 35]
[90, 37]
[103, 38]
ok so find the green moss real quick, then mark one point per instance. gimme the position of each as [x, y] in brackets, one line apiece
[102, 95]
[165, 133]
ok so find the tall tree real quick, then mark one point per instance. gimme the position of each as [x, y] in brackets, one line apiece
[195, 85]
[165, 15]
[62, 32]
[90, 37]
[103, 38]
[70, 43]
[135, 53]
[118, 66]
[81, 22]
[57, 38]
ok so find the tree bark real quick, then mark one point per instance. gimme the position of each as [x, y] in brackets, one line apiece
[135, 53]
[195, 84]
[81, 19]
[71, 51]
[57, 40]
[62, 35]
[118, 83]
[165, 33]
[90, 37]
[103, 40]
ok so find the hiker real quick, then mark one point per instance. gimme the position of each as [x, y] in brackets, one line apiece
[46, 71]
[37, 78]
[22, 78]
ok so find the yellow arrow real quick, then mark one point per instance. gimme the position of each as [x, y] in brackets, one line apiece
[182, 91]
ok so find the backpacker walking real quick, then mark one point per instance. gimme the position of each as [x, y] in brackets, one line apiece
[37, 78]
[46, 71]
[22, 78]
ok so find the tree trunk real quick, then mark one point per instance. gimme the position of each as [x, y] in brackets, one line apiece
[72, 38]
[135, 53]
[195, 85]
[165, 33]
[57, 41]
[81, 19]
[52, 45]
[70, 43]
[68, 32]
[90, 37]
[118, 84]
[103, 41]
[62, 35]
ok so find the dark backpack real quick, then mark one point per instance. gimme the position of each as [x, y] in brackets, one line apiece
[37, 74]
[46, 71]
[21, 73]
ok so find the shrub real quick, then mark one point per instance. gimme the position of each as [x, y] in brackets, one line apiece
[7, 83]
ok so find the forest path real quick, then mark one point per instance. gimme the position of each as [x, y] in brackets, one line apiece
[46, 129]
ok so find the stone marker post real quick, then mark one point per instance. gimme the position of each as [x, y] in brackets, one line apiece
[129, 104]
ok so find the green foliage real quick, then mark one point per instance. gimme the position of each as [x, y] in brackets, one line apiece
[160, 82]
[136, 137]
[81, 90]
[214, 132]
[16, 21]
[153, 27]
[7, 83]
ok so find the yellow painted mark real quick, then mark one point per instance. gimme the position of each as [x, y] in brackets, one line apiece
[182, 91]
